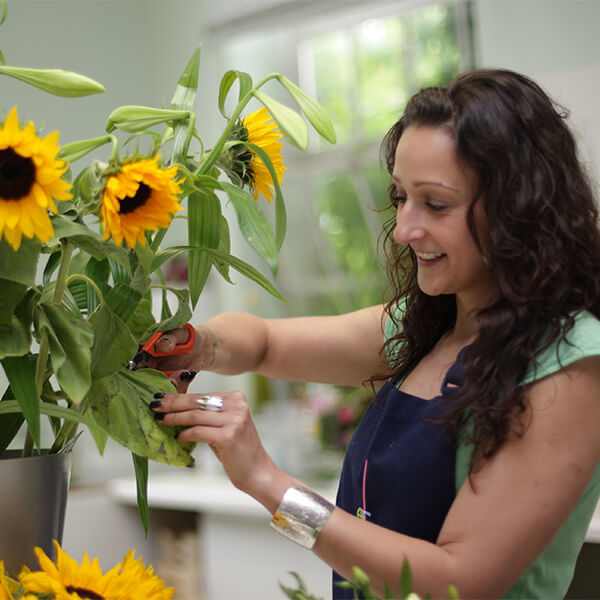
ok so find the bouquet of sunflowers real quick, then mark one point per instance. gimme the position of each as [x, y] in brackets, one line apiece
[81, 248]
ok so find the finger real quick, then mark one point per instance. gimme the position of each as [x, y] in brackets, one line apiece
[171, 338]
[174, 403]
[182, 378]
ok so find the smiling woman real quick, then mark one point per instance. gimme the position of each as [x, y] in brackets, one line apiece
[434, 193]
[479, 460]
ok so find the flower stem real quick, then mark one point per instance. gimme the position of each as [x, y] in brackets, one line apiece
[42, 359]
[212, 156]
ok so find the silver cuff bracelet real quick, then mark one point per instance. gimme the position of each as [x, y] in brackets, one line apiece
[301, 515]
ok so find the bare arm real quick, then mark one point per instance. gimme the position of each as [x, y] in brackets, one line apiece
[343, 349]
[495, 528]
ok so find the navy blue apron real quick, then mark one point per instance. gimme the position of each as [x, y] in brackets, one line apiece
[398, 471]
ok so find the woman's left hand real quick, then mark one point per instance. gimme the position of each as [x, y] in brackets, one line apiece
[224, 422]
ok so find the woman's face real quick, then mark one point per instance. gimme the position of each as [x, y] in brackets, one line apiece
[434, 191]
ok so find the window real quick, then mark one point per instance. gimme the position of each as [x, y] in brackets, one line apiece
[362, 73]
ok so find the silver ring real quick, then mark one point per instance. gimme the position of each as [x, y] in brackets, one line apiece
[214, 403]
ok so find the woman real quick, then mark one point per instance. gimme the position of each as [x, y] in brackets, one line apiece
[479, 459]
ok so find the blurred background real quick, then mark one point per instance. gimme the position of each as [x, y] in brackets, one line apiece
[361, 61]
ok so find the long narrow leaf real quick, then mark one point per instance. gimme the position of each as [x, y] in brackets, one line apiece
[280, 212]
[292, 125]
[239, 265]
[21, 375]
[140, 464]
[227, 81]
[204, 221]
[253, 224]
[183, 99]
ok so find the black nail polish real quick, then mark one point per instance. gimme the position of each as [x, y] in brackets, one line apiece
[159, 395]
[159, 416]
[187, 375]
[155, 404]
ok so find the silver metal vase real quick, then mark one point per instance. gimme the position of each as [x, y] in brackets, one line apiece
[33, 501]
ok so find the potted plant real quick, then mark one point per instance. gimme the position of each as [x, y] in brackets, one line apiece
[81, 250]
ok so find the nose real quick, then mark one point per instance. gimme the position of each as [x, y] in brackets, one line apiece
[410, 224]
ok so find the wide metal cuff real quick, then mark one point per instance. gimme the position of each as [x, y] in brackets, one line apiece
[301, 515]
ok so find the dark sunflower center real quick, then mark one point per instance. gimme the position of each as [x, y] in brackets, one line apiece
[17, 175]
[84, 593]
[130, 203]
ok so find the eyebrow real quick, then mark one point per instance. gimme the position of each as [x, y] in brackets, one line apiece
[439, 183]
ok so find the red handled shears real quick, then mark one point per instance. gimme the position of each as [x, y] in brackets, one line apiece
[150, 348]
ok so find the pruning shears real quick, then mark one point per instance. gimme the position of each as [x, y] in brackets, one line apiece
[150, 349]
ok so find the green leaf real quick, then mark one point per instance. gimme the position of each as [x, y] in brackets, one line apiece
[70, 340]
[141, 320]
[55, 81]
[12, 294]
[15, 326]
[314, 112]
[20, 372]
[20, 266]
[88, 240]
[453, 593]
[123, 300]
[239, 265]
[119, 405]
[4, 11]
[227, 81]
[405, 579]
[114, 345]
[253, 224]
[292, 125]
[140, 464]
[187, 86]
[280, 213]
[10, 423]
[225, 247]
[182, 315]
[204, 220]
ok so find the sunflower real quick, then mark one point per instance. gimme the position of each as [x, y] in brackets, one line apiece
[260, 129]
[30, 181]
[66, 580]
[7, 585]
[141, 196]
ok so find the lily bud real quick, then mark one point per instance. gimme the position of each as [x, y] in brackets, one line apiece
[55, 81]
[76, 150]
[138, 118]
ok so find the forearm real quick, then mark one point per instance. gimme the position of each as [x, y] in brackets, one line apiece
[231, 343]
[346, 542]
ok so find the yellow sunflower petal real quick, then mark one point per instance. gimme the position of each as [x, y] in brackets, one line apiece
[32, 182]
[140, 197]
[263, 132]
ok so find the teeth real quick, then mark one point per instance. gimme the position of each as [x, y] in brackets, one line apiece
[428, 255]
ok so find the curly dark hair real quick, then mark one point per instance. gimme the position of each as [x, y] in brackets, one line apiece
[543, 247]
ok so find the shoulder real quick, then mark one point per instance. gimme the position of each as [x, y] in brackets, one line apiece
[582, 341]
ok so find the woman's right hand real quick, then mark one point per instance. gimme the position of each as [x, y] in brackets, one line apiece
[183, 366]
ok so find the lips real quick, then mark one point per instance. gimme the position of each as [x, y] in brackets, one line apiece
[429, 256]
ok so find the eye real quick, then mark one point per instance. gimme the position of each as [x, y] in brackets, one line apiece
[436, 206]
[396, 197]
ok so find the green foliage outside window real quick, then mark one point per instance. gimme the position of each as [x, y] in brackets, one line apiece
[363, 76]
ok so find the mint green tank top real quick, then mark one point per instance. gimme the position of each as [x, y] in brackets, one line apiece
[549, 576]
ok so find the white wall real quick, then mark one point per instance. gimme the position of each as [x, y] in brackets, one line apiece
[556, 43]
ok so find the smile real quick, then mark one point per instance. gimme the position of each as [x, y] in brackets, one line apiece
[429, 255]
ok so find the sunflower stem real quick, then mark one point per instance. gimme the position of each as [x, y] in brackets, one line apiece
[215, 152]
[212, 156]
[63, 270]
